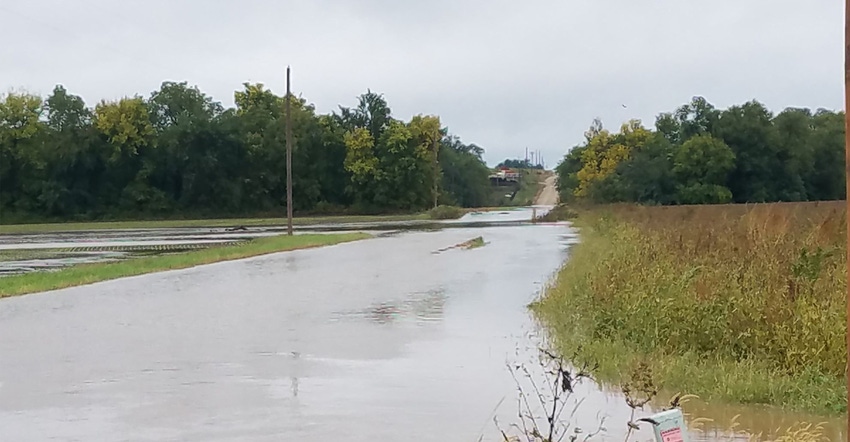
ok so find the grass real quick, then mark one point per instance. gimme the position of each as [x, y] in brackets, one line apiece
[203, 223]
[561, 212]
[527, 189]
[446, 212]
[91, 273]
[530, 186]
[473, 243]
[739, 303]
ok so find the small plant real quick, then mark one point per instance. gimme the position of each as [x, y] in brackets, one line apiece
[558, 213]
[473, 243]
[547, 402]
[446, 212]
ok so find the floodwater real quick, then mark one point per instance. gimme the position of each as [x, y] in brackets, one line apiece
[62, 249]
[380, 339]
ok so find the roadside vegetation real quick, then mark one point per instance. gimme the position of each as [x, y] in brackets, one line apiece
[732, 302]
[698, 154]
[561, 212]
[549, 397]
[521, 193]
[446, 212]
[177, 153]
[90, 273]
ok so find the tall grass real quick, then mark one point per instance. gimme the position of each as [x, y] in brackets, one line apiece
[742, 303]
[90, 273]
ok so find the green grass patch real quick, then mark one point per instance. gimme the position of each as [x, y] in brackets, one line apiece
[204, 223]
[474, 243]
[558, 213]
[524, 192]
[731, 303]
[446, 212]
[91, 273]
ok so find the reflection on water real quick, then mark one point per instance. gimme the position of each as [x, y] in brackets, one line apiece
[416, 307]
[721, 422]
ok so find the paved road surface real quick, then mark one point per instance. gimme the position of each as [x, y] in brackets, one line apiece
[549, 195]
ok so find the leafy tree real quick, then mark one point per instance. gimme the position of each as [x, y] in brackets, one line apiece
[648, 176]
[701, 166]
[567, 171]
[72, 157]
[602, 156]
[464, 174]
[20, 128]
[748, 129]
[699, 154]
[826, 182]
[129, 135]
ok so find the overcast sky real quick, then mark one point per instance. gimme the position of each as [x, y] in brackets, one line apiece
[503, 74]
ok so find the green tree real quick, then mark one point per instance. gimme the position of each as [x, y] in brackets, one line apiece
[826, 181]
[648, 176]
[758, 175]
[20, 129]
[701, 167]
[72, 156]
[129, 134]
[464, 174]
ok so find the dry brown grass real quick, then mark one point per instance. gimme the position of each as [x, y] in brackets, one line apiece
[732, 286]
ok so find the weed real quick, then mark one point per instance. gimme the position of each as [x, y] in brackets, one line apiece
[558, 213]
[742, 303]
[446, 212]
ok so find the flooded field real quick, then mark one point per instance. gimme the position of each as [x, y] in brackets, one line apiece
[21, 253]
[381, 339]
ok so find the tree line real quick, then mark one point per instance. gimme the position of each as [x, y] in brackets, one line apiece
[180, 153]
[702, 155]
[519, 164]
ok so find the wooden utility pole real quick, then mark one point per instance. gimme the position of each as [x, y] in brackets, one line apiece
[437, 169]
[847, 179]
[289, 156]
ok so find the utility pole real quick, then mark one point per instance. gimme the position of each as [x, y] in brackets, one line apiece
[437, 169]
[289, 156]
[847, 178]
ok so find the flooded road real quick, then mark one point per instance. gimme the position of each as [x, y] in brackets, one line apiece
[381, 339]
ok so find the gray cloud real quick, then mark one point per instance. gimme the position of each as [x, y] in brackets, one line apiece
[504, 74]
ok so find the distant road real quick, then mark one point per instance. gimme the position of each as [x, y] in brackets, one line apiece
[549, 195]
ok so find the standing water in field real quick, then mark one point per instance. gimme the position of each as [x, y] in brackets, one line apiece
[376, 340]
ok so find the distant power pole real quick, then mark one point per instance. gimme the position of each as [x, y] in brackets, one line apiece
[289, 156]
